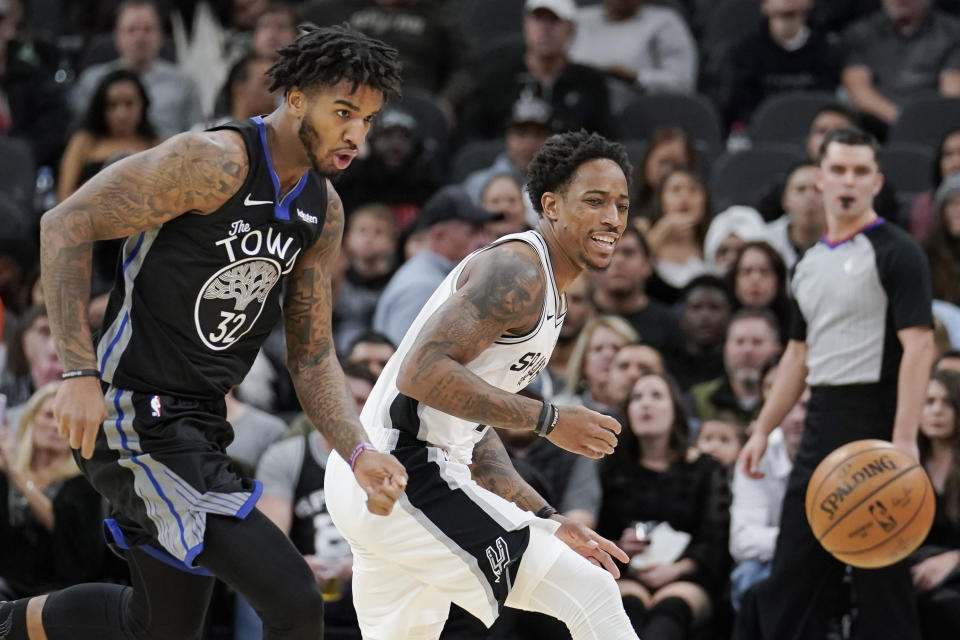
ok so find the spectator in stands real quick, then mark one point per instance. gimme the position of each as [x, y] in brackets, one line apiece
[371, 350]
[455, 228]
[292, 474]
[784, 54]
[936, 565]
[907, 50]
[174, 98]
[429, 36]
[577, 93]
[669, 148]
[32, 360]
[721, 439]
[752, 339]
[803, 221]
[706, 308]
[676, 236]
[621, 290]
[115, 123]
[529, 126]
[649, 478]
[397, 173]
[503, 195]
[275, 28]
[943, 242]
[730, 230]
[945, 164]
[637, 43]
[253, 431]
[50, 516]
[370, 249]
[758, 279]
[755, 514]
[580, 309]
[589, 368]
[32, 105]
[245, 94]
[630, 362]
[18, 269]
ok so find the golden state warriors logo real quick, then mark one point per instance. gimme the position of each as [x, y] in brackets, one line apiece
[230, 302]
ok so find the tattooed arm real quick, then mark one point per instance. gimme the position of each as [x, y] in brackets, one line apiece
[501, 291]
[317, 376]
[493, 470]
[189, 172]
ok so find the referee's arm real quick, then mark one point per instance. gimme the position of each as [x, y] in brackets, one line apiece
[788, 385]
[919, 352]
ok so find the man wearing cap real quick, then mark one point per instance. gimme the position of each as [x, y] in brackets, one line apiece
[529, 126]
[577, 93]
[454, 226]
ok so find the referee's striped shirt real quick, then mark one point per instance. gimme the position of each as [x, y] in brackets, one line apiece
[850, 300]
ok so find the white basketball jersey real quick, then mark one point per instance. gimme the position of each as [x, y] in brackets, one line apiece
[510, 363]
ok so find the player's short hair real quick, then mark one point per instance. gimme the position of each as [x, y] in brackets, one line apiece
[852, 136]
[325, 56]
[552, 169]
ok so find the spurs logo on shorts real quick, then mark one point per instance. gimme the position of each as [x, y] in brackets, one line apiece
[232, 299]
[499, 558]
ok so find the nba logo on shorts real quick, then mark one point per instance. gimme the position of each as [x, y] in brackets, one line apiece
[155, 406]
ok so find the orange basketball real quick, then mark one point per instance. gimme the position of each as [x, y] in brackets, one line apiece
[870, 504]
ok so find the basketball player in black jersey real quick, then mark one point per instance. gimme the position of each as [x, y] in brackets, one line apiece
[215, 223]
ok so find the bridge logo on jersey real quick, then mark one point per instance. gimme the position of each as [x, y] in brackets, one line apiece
[232, 300]
[498, 554]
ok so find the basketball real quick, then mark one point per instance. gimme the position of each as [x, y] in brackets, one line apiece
[870, 504]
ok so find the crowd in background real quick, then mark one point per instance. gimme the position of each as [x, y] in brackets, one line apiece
[678, 339]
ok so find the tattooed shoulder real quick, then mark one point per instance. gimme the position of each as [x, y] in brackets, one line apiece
[507, 284]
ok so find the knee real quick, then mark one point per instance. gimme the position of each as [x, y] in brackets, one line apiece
[298, 609]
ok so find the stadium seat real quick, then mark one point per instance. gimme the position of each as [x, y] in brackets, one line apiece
[786, 117]
[693, 113]
[473, 156]
[742, 177]
[926, 121]
[18, 177]
[908, 169]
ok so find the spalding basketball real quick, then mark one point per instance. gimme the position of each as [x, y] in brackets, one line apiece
[870, 504]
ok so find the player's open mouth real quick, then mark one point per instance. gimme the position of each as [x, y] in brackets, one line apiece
[847, 201]
[605, 241]
[343, 159]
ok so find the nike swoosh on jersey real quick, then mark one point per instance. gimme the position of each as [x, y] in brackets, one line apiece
[250, 203]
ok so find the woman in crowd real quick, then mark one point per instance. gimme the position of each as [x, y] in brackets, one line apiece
[669, 148]
[943, 242]
[946, 163]
[936, 565]
[589, 367]
[648, 479]
[680, 224]
[758, 279]
[115, 124]
[50, 516]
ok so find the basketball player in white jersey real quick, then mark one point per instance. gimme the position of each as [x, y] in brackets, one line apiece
[468, 529]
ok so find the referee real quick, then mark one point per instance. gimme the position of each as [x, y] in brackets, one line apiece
[862, 338]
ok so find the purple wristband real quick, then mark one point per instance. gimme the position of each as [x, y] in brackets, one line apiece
[360, 448]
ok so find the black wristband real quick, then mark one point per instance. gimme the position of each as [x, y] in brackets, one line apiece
[546, 512]
[543, 420]
[80, 373]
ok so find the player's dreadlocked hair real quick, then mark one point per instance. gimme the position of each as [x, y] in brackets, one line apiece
[323, 56]
[554, 165]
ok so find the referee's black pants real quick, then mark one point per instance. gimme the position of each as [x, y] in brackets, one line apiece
[804, 587]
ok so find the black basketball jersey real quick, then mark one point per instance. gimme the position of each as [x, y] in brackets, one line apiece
[311, 524]
[195, 298]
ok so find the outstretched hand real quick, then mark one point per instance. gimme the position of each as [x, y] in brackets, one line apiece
[752, 453]
[383, 478]
[590, 544]
[586, 432]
